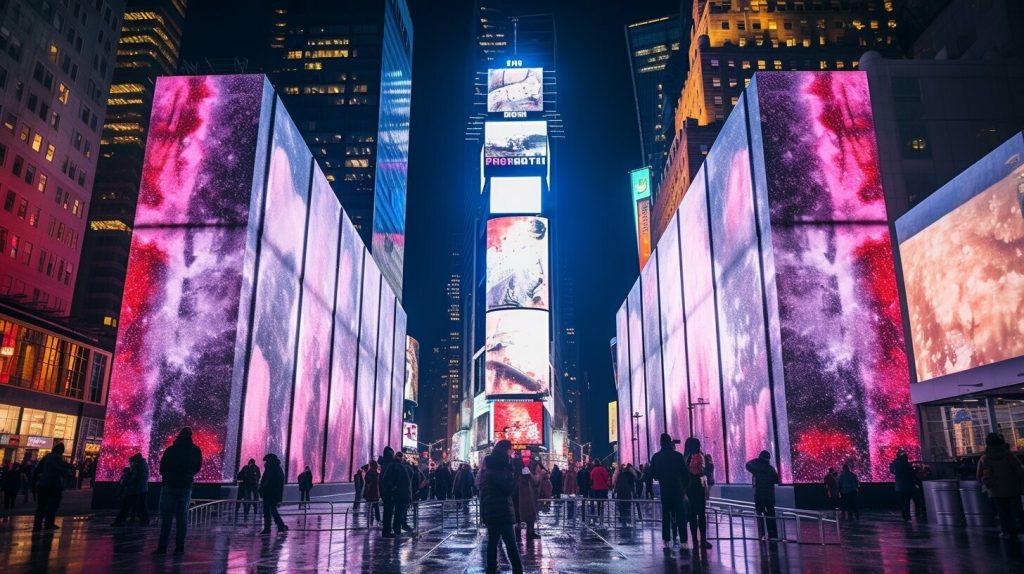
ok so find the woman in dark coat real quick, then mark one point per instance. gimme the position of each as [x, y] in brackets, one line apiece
[272, 492]
[371, 490]
[497, 483]
[529, 491]
[696, 492]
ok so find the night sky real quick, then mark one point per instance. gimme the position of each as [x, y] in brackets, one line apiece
[595, 98]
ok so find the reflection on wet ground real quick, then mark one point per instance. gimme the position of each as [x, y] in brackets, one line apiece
[877, 543]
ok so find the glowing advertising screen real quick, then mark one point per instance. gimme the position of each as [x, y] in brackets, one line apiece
[846, 389]
[963, 252]
[613, 421]
[522, 423]
[640, 185]
[622, 385]
[517, 353]
[398, 374]
[673, 336]
[312, 371]
[511, 90]
[187, 267]
[275, 320]
[655, 415]
[517, 263]
[366, 378]
[385, 374]
[638, 382]
[699, 307]
[512, 146]
[412, 369]
[516, 195]
[341, 413]
[482, 430]
[410, 436]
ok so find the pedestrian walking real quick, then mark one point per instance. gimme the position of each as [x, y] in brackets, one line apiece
[529, 488]
[358, 482]
[248, 479]
[765, 479]
[700, 477]
[371, 494]
[11, 485]
[545, 487]
[583, 482]
[600, 483]
[1001, 474]
[415, 475]
[272, 493]
[556, 482]
[136, 489]
[28, 469]
[668, 467]
[462, 484]
[305, 487]
[443, 482]
[625, 484]
[396, 489]
[906, 482]
[832, 488]
[178, 467]
[849, 487]
[386, 494]
[50, 476]
[497, 482]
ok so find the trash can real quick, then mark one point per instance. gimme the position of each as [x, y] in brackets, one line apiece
[942, 498]
[977, 506]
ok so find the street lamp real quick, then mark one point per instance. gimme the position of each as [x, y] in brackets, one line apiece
[582, 447]
[701, 402]
[636, 436]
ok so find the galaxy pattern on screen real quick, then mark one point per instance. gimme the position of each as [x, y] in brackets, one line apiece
[655, 415]
[385, 375]
[622, 385]
[399, 366]
[268, 392]
[637, 374]
[744, 357]
[673, 335]
[369, 327]
[312, 371]
[846, 389]
[184, 269]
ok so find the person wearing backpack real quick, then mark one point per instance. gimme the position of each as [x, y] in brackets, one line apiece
[700, 479]
[1001, 473]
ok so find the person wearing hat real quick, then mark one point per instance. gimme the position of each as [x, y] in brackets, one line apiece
[178, 467]
[248, 479]
[272, 493]
[668, 467]
[497, 482]
[765, 479]
[1001, 473]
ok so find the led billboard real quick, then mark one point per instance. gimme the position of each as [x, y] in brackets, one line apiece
[517, 353]
[511, 146]
[963, 254]
[640, 185]
[515, 90]
[412, 370]
[522, 423]
[385, 373]
[517, 263]
[482, 430]
[410, 436]
[312, 371]
[638, 380]
[265, 418]
[515, 195]
[622, 385]
[673, 336]
[363, 449]
[655, 415]
[613, 422]
[397, 382]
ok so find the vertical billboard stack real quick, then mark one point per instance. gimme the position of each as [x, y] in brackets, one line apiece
[252, 312]
[768, 316]
[517, 385]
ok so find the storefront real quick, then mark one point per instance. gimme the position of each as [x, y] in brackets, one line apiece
[30, 434]
[957, 428]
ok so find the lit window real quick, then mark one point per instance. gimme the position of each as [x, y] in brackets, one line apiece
[777, 64]
[49, 152]
[874, 24]
[313, 66]
[823, 65]
[327, 53]
[63, 93]
[892, 23]
[840, 65]
[41, 185]
[357, 162]
[716, 82]
[37, 142]
[746, 64]
[294, 55]
[762, 65]
[714, 63]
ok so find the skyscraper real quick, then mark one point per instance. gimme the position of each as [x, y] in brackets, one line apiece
[55, 71]
[345, 72]
[731, 41]
[148, 48]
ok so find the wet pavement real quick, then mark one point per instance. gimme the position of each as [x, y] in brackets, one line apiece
[877, 543]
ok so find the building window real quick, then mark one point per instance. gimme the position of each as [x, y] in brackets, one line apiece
[10, 200]
[50, 150]
[714, 63]
[716, 82]
[63, 93]
[37, 142]
[725, 24]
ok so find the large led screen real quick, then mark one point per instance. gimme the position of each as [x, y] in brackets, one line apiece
[412, 370]
[385, 375]
[741, 322]
[268, 390]
[846, 388]
[186, 268]
[410, 436]
[341, 412]
[622, 386]
[673, 336]
[363, 448]
[516, 195]
[516, 146]
[655, 416]
[517, 353]
[398, 367]
[517, 263]
[638, 384]
[482, 430]
[522, 423]
[515, 90]
[701, 323]
[963, 267]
